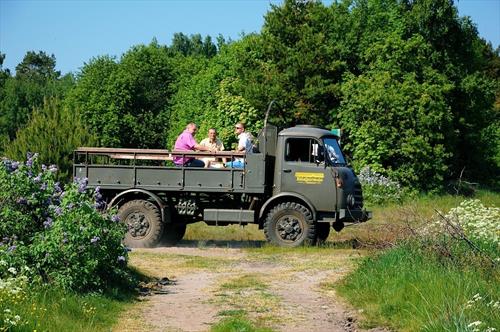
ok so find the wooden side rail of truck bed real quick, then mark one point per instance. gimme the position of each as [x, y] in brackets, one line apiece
[151, 154]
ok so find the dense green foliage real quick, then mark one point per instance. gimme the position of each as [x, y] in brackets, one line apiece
[36, 79]
[54, 131]
[55, 236]
[411, 84]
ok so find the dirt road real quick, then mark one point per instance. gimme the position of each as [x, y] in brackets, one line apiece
[279, 289]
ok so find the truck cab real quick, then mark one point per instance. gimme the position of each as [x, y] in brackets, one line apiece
[311, 172]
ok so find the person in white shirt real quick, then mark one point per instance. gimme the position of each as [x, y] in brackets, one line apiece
[244, 145]
[214, 144]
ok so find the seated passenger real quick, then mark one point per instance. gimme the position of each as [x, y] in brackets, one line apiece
[186, 142]
[214, 144]
[244, 145]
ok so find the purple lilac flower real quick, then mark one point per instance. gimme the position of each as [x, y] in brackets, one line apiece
[97, 189]
[70, 206]
[44, 167]
[14, 165]
[53, 168]
[47, 223]
[95, 239]
[12, 248]
[43, 186]
[22, 201]
[57, 187]
[29, 162]
[82, 184]
[58, 211]
[38, 178]
[99, 205]
[121, 259]
[115, 218]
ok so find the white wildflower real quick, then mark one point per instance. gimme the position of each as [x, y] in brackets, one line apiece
[474, 324]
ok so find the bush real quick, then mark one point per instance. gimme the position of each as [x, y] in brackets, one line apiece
[56, 236]
[378, 189]
[477, 221]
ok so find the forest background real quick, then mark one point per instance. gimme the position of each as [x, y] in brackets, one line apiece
[414, 88]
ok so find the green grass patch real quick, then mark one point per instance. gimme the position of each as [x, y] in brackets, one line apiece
[201, 231]
[185, 261]
[237, 324]
[409, 288]
[247, 281]
[49, 309]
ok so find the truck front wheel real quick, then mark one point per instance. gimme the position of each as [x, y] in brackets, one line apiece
[143, 220]
[290, 224]
[322, 231]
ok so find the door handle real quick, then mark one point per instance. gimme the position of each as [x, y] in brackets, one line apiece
[286, 170]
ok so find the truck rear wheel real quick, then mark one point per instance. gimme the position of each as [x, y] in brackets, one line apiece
[173, 233]
[144, 223]
[290, 225]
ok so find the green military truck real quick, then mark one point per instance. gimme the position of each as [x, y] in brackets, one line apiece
[295, 186]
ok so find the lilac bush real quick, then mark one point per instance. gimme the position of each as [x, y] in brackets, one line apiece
[65, 237]
[378, 189]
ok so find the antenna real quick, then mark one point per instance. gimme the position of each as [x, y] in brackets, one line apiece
[267, 112]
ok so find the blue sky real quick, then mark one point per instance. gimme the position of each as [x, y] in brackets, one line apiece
[75, 31]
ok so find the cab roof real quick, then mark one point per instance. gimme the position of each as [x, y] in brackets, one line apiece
[306, 130]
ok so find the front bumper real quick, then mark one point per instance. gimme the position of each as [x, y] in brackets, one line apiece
[348, 215]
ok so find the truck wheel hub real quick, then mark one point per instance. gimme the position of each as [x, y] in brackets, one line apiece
[138, 224]
[289, 228]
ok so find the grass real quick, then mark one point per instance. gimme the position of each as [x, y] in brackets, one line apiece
[247, 303]
[157, 264]
[48, 309]
[201, 231]
[237, 323]
[409, 289]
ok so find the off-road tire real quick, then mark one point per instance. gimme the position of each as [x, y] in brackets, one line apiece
[322, 231]
[172, 234]
[290, 224]
[143, 219]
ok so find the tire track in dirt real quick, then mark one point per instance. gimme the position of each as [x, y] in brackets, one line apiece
[184, 308]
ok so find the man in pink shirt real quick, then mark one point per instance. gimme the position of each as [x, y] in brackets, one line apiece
[186, 142]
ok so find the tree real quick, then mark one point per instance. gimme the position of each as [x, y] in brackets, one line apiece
[53, 131]
[125, 103]
[35, 80]
[37, 67]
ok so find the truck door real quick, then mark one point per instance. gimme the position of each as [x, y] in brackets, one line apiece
[303, 171]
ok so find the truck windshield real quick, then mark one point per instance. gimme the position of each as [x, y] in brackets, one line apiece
[333, 152]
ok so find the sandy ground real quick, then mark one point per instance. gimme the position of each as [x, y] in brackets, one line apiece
[193, 303]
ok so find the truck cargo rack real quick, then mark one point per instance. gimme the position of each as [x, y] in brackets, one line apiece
[153, 169]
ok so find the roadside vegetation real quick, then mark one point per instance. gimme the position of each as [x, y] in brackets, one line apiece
[62, 263]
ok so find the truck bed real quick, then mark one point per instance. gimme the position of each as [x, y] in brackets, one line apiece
[153, 170]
